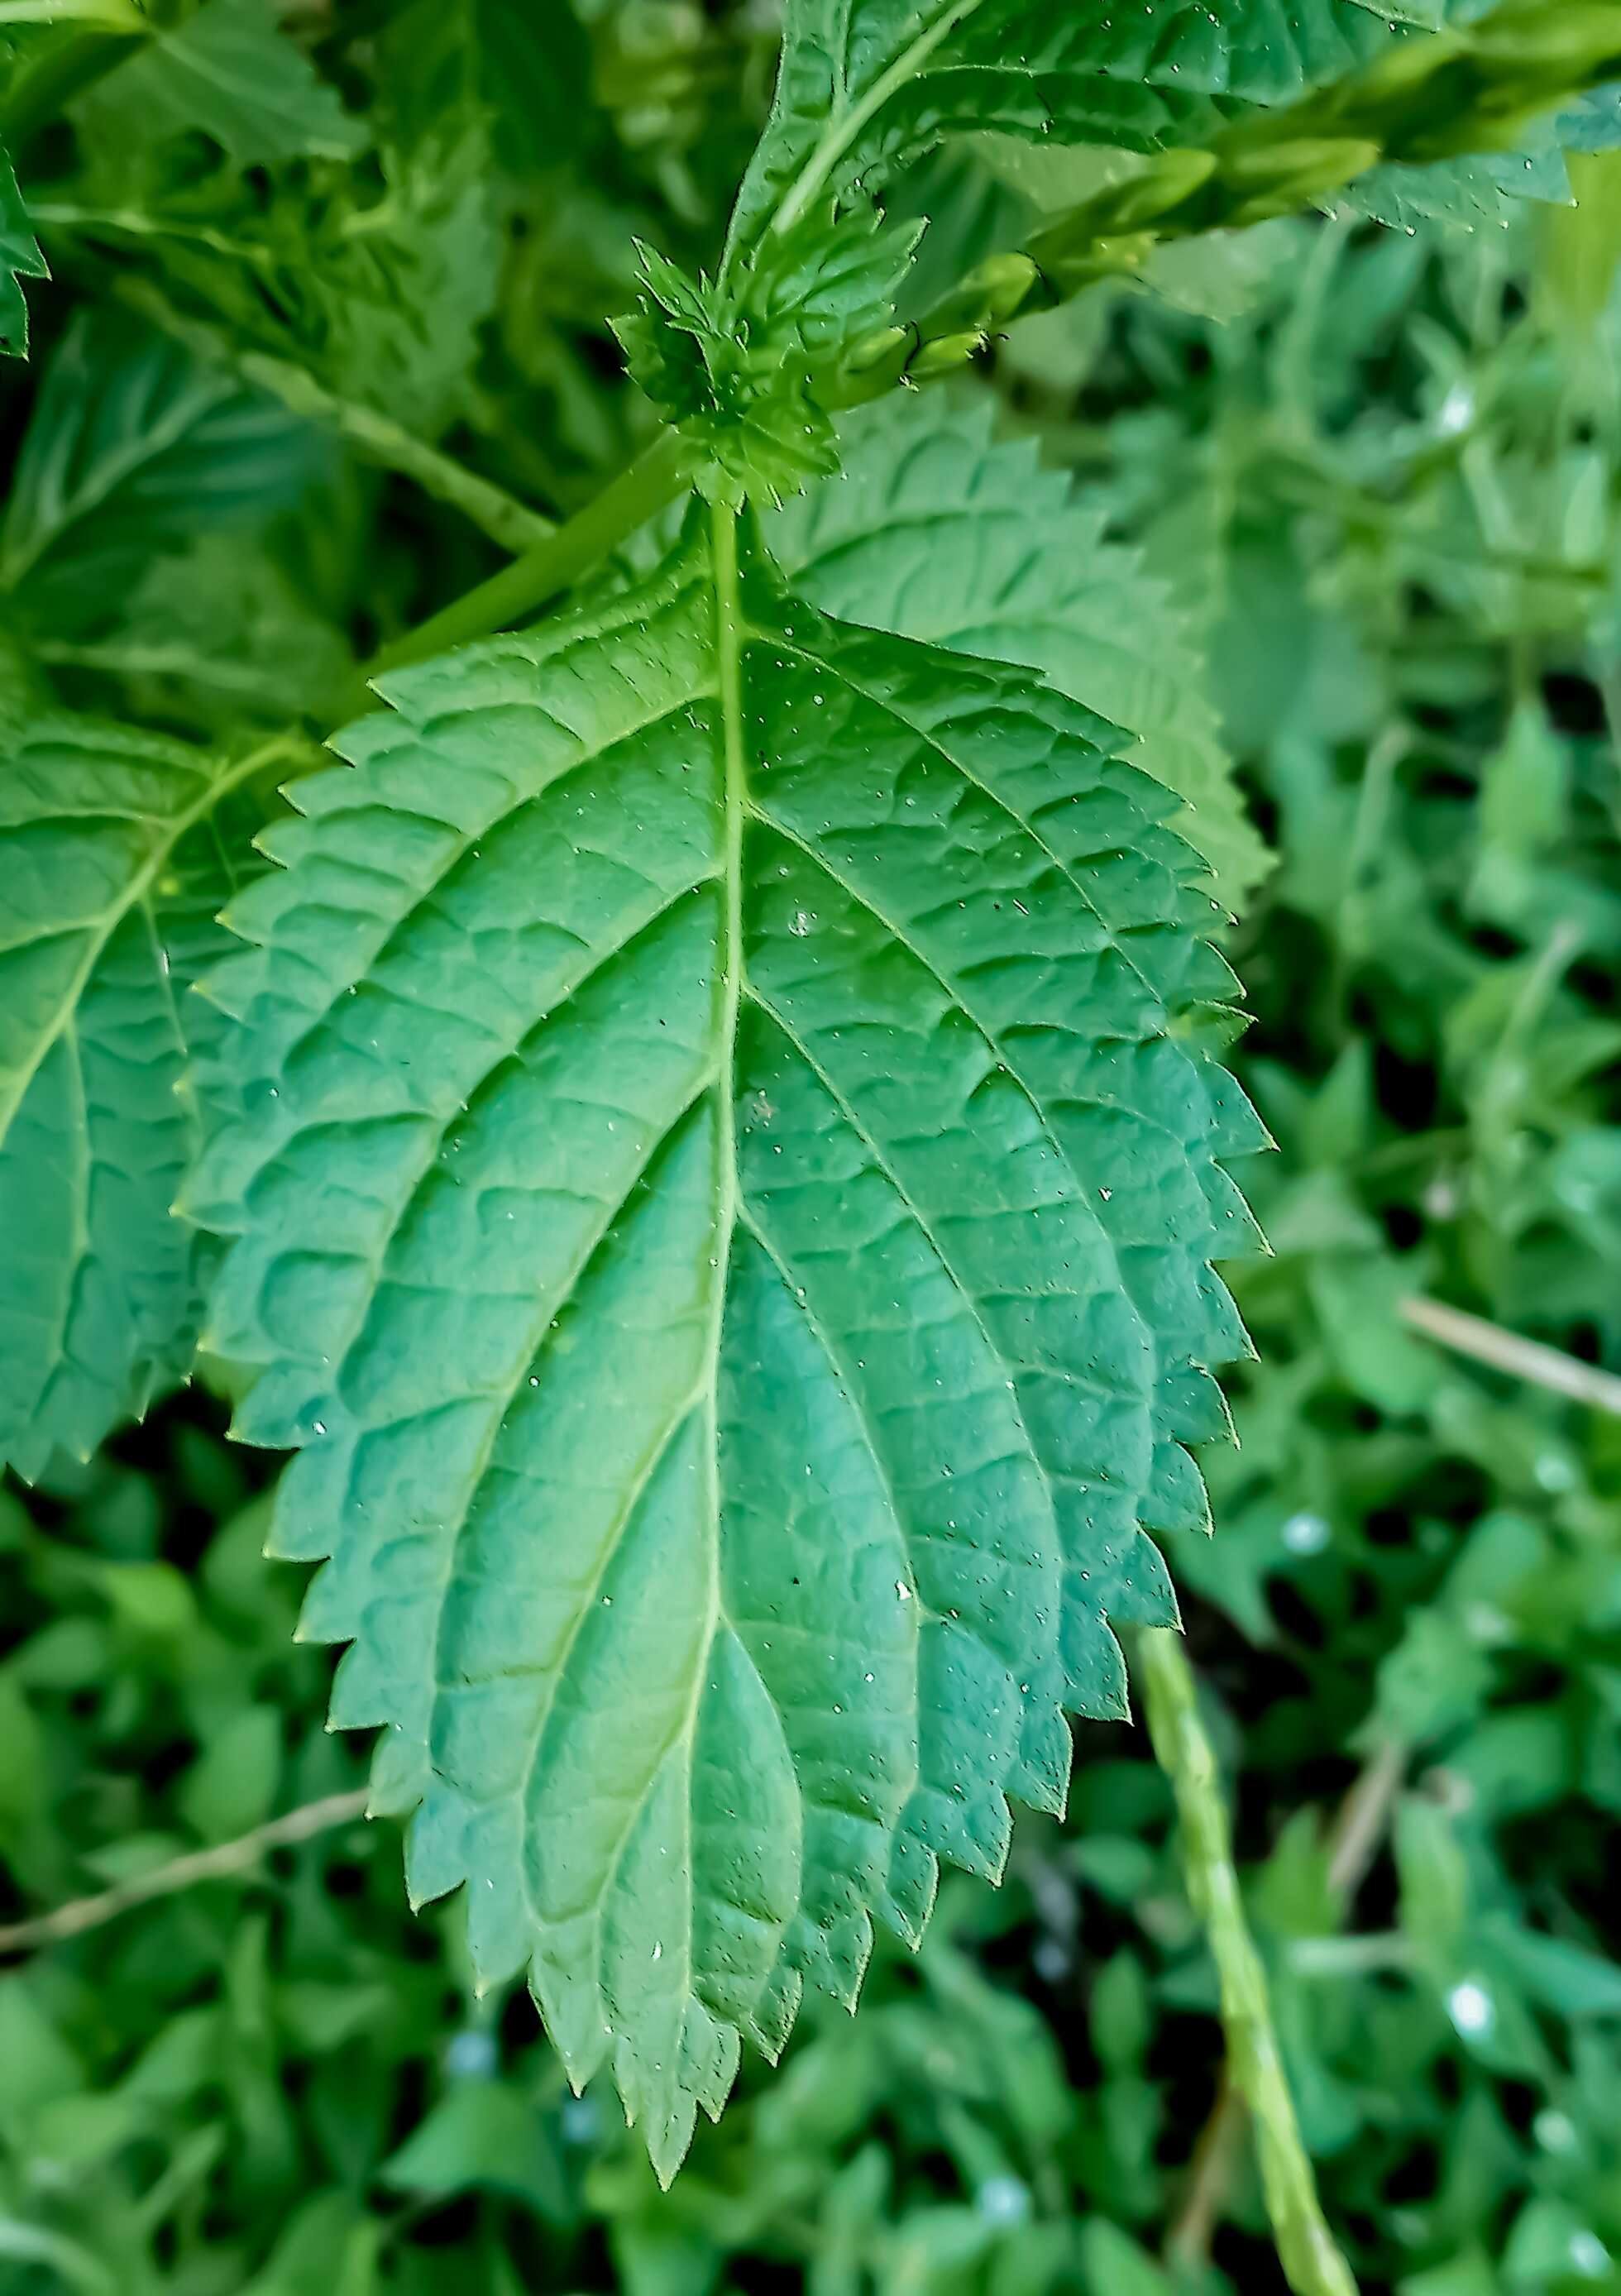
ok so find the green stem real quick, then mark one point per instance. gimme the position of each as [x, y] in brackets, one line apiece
[657, 478]
[1312, 2261]
[496, 513]
[378, 437]
[1467, 90]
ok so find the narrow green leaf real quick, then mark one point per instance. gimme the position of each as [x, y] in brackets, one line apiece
[111, 872]
[1115, 2266]
[939, 531]
[723, 1184]
[20, 260]
[483, 2135]
[1483, 189]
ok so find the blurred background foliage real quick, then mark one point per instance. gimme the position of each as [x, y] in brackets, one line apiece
[1380, 466]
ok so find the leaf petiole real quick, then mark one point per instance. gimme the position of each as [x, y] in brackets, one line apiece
[657, 477]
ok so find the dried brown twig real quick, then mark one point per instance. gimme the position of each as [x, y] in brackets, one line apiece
[83, 1913]
[1506, 1351]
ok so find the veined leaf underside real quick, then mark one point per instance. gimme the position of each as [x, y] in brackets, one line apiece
[722, 1195]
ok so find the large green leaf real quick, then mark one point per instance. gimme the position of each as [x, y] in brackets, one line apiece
[230, 73]
[133, 449]
[723, 1180]
[866, 84]
[942, 532]
[111, 870]
[20, 260]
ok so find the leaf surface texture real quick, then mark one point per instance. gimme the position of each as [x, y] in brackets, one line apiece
[230, 73]
[940, 531]
[723, 1182]
[111, 872]
[133, 449]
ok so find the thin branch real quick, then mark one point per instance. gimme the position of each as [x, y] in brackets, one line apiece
[1210, 2173]
[514, 524]
[1469, 88]
[496, 512]
[1353, 1843]
[1310, 2256]
[106, 15]
[1506, 1351]
[1359, 1828]
[236, 1856]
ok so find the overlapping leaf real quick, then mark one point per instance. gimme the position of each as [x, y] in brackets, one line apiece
[378, 296]
[111, 868]
[941, 532]
[866, 84]
[230, 73]
[134, 447]
[723, 1180]
[20, 260]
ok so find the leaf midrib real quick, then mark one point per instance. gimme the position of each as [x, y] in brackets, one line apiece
[733, 632]
[56, 1353]
[842, 130]
[729, 630]
[720, 1078]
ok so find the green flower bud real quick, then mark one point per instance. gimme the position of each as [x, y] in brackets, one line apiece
[944, 353]
[1072, 258]
[992, 293]
[1172, 178]
[888, 345]
[1483, 130]
[1403, 70]
[1301, 168]
[1579, 36]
